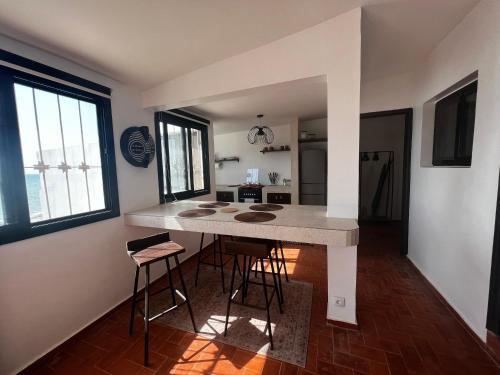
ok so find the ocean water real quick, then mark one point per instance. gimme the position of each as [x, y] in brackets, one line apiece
[33, 191]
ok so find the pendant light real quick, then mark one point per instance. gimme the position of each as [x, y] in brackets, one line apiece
[260, 134]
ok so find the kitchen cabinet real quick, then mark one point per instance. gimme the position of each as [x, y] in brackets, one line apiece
[225, 196]
[280, 198]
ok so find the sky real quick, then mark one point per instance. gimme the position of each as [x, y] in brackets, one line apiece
[50, 126]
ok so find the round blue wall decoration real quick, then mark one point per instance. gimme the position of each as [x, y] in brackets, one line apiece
[137, 146]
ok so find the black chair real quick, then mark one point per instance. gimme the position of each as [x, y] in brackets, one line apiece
[144, 252]
[259, 249]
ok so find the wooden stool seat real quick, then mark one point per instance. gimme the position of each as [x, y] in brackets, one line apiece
[157, 252]
[281, 263]
[253, 247]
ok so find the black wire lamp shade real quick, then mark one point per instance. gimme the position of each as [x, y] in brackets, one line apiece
[260, 134]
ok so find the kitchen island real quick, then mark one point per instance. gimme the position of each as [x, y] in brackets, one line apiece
[307, 224]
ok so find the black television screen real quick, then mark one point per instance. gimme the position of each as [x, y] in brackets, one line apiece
[454, 127]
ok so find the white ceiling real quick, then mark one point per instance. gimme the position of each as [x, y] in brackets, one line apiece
[147, 42]
[305, 99]
[398, 35]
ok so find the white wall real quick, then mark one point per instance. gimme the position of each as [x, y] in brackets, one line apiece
[392, 92]
[236, 144]
[318, 127]
[312, 52]
[54, 285]
[452, 210]
[332, 49]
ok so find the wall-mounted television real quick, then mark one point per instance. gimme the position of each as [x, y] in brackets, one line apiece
[454, 127]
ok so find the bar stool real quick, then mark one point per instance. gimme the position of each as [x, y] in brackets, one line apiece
[280, 264]
[144, 252]
[217, 252]
[252, 248]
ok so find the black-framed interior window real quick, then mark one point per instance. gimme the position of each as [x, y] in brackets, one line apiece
[454, 127]
[57, 163]
[182, 149]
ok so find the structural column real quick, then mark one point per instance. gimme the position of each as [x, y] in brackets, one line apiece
[294, 153]
[343, 179]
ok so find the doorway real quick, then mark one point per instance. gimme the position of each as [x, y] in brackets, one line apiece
[384, 165]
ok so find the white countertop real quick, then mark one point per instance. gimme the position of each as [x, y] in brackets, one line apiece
[276, 189]
[227, 188]
[293, 223]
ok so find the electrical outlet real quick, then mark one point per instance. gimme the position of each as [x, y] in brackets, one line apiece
[339, 301]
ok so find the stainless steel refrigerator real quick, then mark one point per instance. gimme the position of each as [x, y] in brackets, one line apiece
[313, 179]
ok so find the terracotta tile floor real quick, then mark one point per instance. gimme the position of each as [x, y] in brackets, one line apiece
[404, 329]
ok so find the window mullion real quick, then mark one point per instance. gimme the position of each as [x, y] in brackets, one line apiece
[84, 167]
[206, 158]
[186, 172]
[41, 167]
[190, 166]
[64, 165]
[167, 158]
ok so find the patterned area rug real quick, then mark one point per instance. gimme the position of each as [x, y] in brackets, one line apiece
[247, 325]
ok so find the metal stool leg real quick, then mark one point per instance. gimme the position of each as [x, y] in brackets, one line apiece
[184, 290]
[215, 254]
[199, 260]
[238, 267]
[237, 262]
[146, 319]
[221, 265]
[256, 266]
[244, 279]
[283, 260]
[278, 274]
[171, 284]
[134, 299]
[230, 294]
[249, 271]
[267, 302]
[277, 287]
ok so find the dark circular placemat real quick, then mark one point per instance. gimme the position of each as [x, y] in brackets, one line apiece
[266, 207]
[208, 205]
[220, 204]
[255, 217]
[196, 213]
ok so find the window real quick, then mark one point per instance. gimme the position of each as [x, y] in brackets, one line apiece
[2, 215]
[182, 155]
[57, 167]
[454, 127]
